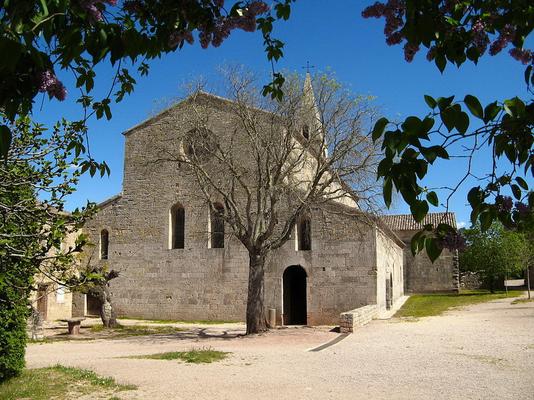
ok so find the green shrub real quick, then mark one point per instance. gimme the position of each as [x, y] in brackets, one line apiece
[13, 315]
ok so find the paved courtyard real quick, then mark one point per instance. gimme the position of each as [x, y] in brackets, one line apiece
[483, 352]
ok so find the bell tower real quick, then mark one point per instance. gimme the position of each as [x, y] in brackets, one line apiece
[311, 127]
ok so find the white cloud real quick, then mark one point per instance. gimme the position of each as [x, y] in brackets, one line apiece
[462, 224]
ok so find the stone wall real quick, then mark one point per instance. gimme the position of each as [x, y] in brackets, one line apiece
[421, 275]
[198, 282]
[350, 320]
[389, 256]
[58, 302]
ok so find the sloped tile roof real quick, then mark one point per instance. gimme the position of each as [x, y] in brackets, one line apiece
[405, 222]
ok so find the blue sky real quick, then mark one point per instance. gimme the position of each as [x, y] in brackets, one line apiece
[330, 34]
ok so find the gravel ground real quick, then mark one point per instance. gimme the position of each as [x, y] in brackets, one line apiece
[483, 352]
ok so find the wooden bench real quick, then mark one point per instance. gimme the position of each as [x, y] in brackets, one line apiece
[74, 325]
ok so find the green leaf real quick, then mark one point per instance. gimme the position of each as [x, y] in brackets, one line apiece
[486, 219]
[491, 111]
[444, 102]
[448, 116]
[5, 140]
[419, 210]
[379, 127]
[522, 182]
[430, 101]
[417, 242]
[528, 72]
[45, 8]
[432, 198]
[516, 191]
[474, 106]
[432, 248]
[388, 187]
[441, 62]
[462, 122]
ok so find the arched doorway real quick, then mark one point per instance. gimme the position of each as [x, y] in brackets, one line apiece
[295, 305]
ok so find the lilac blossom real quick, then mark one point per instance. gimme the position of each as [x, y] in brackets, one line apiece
[522, 209]
[409, 51]
[504, 203]
[48, 82]
[506, 36]
[452, 241]
[90, 7]
[524, 56]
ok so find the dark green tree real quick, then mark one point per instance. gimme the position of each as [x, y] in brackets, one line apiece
[35, 181]
[495, 254]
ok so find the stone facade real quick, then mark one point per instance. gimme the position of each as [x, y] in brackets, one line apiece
[420, 274]
[350, 264]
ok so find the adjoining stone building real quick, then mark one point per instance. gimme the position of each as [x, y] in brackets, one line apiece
[420, 274]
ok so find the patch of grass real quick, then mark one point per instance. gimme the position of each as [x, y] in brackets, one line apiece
[194, 356]
[173, 321]
[59, 383]
[521, 301]
[121, 331]
[425, 305]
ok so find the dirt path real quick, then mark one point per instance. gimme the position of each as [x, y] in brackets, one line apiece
[483, 352]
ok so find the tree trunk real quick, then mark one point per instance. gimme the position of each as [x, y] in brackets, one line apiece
[492, 284]
[256, 321]
[107, 311]
[528, 281]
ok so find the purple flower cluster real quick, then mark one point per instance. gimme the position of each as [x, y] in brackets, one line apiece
[90, 7]
[524, 56]
[409, 51]
[222, 27]
[506, 36]
[178, 37]
[452, 241]
[504, 203]
[522, 209]
[48, 82]
[480, 37]
[393, 11]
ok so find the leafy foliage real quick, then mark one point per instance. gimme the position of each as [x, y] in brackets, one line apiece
[454, 32]
[34, 183]
[42, 36]
[495, 253]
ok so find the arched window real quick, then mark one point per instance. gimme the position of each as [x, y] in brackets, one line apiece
[104, 244]
[177, 228]
[217, 226]
[304, 233]
[306, 131]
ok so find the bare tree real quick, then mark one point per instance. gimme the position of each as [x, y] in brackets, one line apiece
[277, 161]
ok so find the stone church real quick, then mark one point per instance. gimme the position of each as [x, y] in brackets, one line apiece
[154, 233]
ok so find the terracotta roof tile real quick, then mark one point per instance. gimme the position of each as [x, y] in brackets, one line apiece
[405, 222]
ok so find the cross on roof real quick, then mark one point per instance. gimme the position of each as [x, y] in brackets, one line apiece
[308, 66]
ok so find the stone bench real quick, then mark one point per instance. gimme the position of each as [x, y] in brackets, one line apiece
[73, 325]
[357, 317]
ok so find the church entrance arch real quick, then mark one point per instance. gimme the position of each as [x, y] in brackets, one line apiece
[294, 301]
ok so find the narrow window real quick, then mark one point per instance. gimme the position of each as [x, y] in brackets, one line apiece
[217, 226]
[306, 131]
[104, 244]
[304, 233]
[177, 227]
